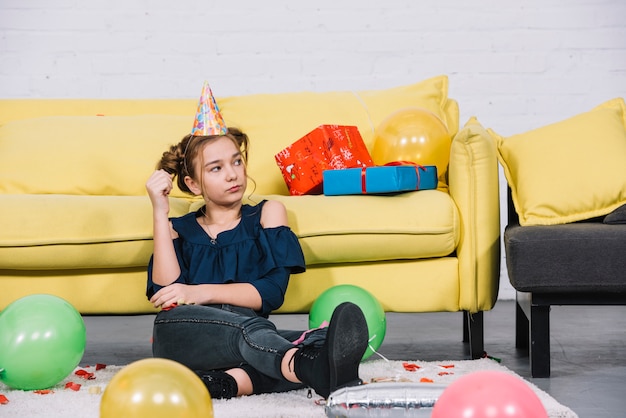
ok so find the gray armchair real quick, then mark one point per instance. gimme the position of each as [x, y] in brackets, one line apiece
[580, 263]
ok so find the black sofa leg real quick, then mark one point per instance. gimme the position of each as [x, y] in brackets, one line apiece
[522, 327]
[466, 337]
[473, 332]
[540, 341]
[532, 332]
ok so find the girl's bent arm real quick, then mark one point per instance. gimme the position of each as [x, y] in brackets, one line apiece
[239, 294]
[165, 267]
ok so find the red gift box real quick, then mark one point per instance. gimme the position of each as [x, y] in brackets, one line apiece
[327, 147]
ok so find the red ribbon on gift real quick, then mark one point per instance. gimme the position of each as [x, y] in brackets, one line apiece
[363, 181]
[418, 167]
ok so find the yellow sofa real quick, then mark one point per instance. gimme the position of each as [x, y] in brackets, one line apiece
[76, 221]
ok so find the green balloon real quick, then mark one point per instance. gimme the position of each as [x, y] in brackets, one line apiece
[42, 340]
[325, 304]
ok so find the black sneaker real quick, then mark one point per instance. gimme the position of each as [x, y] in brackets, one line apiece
[220, 384]
[335, 364]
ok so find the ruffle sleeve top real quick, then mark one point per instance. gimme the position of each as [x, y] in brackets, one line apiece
[248, 253]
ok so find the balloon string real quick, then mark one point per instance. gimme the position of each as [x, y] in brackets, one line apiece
[374, 350]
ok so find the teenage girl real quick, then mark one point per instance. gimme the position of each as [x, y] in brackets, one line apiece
[217, 274]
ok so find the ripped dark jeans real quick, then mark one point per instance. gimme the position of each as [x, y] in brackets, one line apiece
[220, 337]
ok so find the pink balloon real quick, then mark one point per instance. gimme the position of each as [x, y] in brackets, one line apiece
[489, 394]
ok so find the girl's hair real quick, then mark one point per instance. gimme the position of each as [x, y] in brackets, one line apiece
[178, 160]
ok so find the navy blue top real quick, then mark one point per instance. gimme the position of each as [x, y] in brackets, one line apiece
[248, 253]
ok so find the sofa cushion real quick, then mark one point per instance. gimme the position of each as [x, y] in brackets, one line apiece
[338, 229]
[568, 171]
[577, 257]
[116, 231]
[98, 231]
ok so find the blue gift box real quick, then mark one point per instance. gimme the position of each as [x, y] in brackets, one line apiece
[379, 180]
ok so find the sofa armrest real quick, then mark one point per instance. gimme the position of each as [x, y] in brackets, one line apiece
[474, 187]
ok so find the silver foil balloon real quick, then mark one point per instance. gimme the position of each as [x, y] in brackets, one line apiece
[392, 399]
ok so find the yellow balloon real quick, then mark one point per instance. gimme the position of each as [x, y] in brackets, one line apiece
[156, 388]
[415, 135]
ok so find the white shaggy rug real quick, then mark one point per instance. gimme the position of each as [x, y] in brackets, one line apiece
[63, 401]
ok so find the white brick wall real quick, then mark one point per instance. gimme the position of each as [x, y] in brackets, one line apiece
[516, 65]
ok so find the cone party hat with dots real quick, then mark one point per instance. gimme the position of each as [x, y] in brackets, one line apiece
[209, 120]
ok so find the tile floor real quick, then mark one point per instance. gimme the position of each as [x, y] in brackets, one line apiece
[588, 348]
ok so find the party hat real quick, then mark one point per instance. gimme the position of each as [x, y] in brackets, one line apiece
[209, 120]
